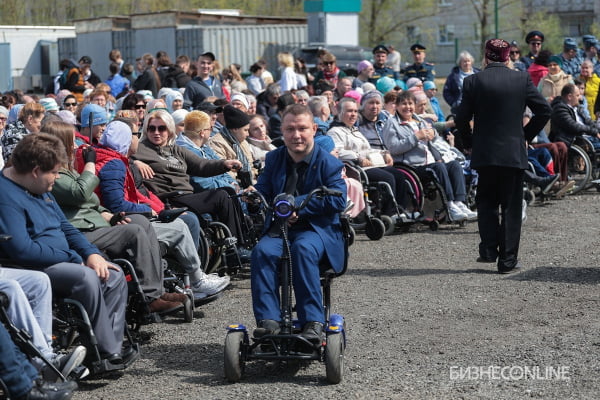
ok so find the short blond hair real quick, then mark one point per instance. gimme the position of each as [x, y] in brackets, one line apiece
[194, 122]
[286, 59]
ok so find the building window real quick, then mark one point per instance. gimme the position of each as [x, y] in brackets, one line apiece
[413, 34]
[446, 34]
[445, 3]
[477, 32]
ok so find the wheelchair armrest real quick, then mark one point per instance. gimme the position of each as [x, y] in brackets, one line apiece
[5, 237]
[171, 214]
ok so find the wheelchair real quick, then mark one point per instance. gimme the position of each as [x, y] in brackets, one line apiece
[289, 344]
[217, 248]
[370, 220]
[580, 166]
[428, 197]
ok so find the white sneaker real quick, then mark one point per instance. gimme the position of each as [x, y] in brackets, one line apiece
[209, 285]
[471, 215]
[455, 213]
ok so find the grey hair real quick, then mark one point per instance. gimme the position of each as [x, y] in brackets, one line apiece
[165, 117]
[316, 103]
[464, 55]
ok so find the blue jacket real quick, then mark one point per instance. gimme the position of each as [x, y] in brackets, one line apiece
[210, 182]
[322, 214]
[453, 89]
[41, 235]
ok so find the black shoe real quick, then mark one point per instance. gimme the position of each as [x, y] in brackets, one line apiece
[518, 267]
[267, 327]
[50, 391]
[313, 332]
[485, 260]
[245, 254]
[547, 183]
[114, 358]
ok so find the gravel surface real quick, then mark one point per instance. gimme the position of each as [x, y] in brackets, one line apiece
[424, 321]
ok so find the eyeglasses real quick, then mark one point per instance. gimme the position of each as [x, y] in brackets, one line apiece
[328, 62]
[70, 104]
[140, 106]
[515, 52]
[161, 128]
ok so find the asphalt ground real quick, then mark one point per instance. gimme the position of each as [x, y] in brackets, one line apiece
[424, 321]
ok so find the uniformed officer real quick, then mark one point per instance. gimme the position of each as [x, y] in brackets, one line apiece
[534, 39]
[380, 53]
[571, 63]
[589, 50]
[420, 69]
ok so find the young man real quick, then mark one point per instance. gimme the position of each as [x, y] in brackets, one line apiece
[495, 99]
[42, 238]
[204, 85]
[419, 69]
[534, 39]
[380, 55]
[314, 233]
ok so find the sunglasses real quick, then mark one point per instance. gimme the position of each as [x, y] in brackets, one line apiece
[515, 52]
[161, 128]
[140, 106]
[3, 119]
[70, 104]
[138, 134]
[328, 62]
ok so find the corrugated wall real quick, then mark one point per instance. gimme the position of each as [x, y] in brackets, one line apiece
[240, 44]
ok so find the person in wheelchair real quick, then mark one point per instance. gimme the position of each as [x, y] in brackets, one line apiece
[116, 235]
[567, 121]
[30, 309]
[314, 234]
[409, 140]
[21, 378]
[118, 193]
[43, 239]
[170, 167]
[352, 145]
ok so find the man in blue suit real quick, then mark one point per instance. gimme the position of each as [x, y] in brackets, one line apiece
[314, 232]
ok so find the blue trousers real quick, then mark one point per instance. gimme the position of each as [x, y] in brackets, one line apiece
[450, 176]
[307, 250]
[15, 370]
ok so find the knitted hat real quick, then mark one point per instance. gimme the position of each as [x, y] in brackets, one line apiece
[401, 84]
[173, 95]
[235, 118]
[163, 92]
[364, 64]
[497, 50]
[385, 84]
[4, 111]
[374, 94]
[146, 93]
[49, 104]
[117, 136]
[368, 87]
[13, 114]
[413, 82]
[555, 59]
[67, 116]
[353, 94]
[240, 97]
[99, 115]
[428, 85]
[179, 115]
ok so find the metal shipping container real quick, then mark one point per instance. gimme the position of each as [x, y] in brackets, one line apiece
[242, 44]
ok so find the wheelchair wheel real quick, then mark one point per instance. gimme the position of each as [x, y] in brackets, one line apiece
[334, 357]
[188, 310]
[580, 168]
[375, 229]
[389, 224]
[233, 356]
[351, 236]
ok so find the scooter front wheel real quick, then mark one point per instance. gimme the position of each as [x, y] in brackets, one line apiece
[334, 357]
[234, 364]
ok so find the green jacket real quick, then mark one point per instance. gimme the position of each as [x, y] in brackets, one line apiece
[75, 195]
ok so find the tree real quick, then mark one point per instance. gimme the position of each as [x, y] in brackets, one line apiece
[380, 19]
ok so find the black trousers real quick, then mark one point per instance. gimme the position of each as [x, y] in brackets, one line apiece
[499, 207]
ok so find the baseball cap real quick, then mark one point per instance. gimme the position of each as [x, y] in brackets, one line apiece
[98, 114]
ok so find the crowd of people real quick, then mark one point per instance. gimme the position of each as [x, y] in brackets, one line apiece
[86, 164]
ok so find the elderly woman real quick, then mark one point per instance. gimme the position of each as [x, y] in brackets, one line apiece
[171, 167]
[408, 138]
[353, 146]
[551, 84]
[174, 101]
[230, 143]
[592, 84]
[365, 72]
[29, 121]
[194, 137]
[453, 88]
